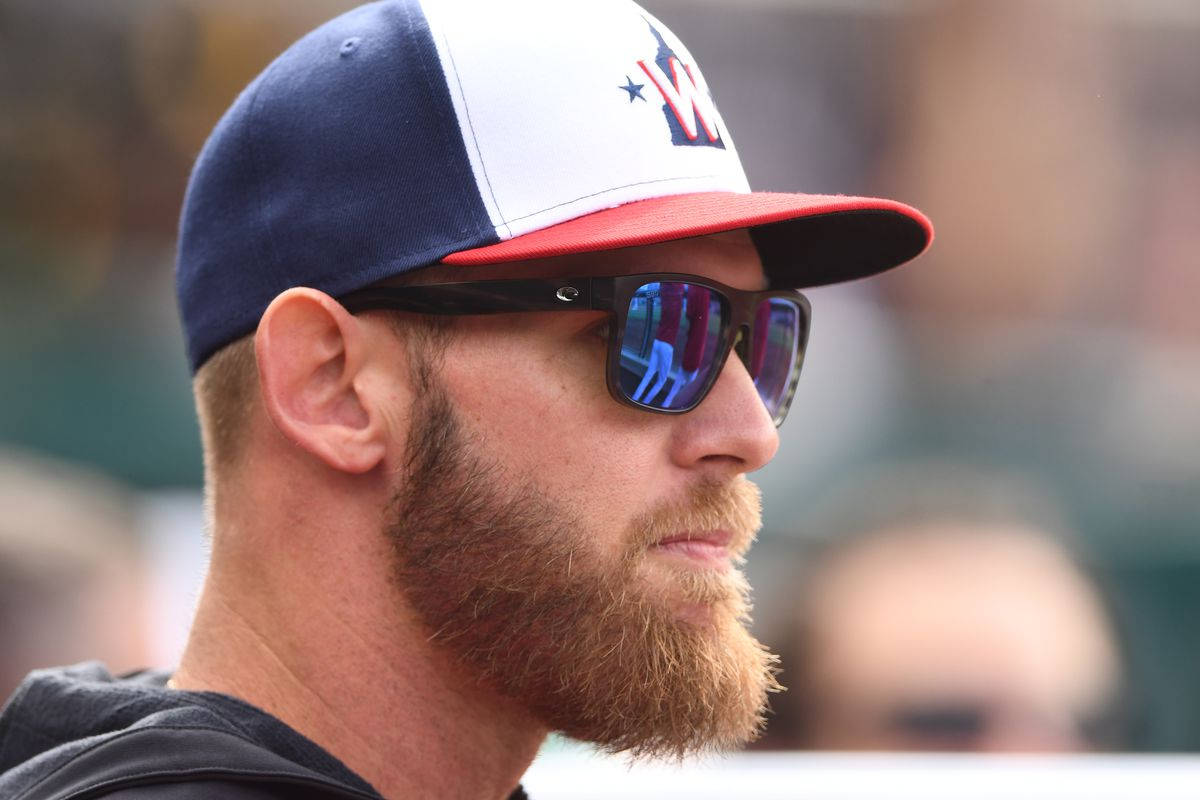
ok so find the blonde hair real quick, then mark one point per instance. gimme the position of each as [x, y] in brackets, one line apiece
[225, 388]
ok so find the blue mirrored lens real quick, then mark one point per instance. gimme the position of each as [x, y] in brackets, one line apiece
[773, 351]
[671, 336]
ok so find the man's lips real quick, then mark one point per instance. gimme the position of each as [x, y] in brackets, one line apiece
[710, 548]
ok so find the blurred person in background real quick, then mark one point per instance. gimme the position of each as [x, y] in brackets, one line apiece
[946, 625]
[435, 539]
[72, 583]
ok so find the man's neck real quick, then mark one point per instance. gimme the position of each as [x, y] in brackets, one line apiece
[363, 681]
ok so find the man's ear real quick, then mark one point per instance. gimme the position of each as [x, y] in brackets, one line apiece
[311, 357]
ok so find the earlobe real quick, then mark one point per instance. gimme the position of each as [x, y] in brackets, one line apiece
[311, 356]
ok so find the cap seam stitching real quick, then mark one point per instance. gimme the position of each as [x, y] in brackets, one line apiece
[471, 126]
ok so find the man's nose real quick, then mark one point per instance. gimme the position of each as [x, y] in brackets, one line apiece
[730, 431]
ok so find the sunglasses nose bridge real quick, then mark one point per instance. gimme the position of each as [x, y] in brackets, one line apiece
[741, 344]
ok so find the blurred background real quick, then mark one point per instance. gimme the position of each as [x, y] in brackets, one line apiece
[983, 528]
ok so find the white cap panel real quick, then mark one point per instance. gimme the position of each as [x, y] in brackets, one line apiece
[615, 106]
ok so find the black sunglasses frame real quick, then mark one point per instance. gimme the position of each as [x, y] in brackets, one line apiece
[611, 294]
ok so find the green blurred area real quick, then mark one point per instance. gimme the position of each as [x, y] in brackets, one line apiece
[105, 106]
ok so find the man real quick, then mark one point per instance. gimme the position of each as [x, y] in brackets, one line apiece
[421, 271]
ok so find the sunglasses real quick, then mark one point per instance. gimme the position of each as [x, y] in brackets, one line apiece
[669, 334]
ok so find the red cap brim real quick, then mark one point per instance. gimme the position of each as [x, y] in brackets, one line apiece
[804, 239]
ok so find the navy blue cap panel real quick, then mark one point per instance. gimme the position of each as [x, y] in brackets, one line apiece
[342, 164]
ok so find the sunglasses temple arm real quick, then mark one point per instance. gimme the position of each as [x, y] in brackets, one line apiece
[482, 297]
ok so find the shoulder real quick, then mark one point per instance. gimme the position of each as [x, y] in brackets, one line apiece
[204, 790]
[184, 763]
[79, 732]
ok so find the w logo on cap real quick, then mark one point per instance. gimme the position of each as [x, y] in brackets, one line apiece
[689, 109]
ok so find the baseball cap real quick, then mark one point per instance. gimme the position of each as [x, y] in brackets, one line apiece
[407, 133]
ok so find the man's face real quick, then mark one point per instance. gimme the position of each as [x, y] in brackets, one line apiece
[579, 554]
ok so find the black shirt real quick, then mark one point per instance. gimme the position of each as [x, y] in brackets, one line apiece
[79, 732]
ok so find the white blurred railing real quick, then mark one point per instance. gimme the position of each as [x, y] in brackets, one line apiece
[578, 775]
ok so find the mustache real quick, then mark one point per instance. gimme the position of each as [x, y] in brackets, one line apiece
[734, 506]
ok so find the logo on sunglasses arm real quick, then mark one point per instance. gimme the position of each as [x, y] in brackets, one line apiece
[688, 107]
